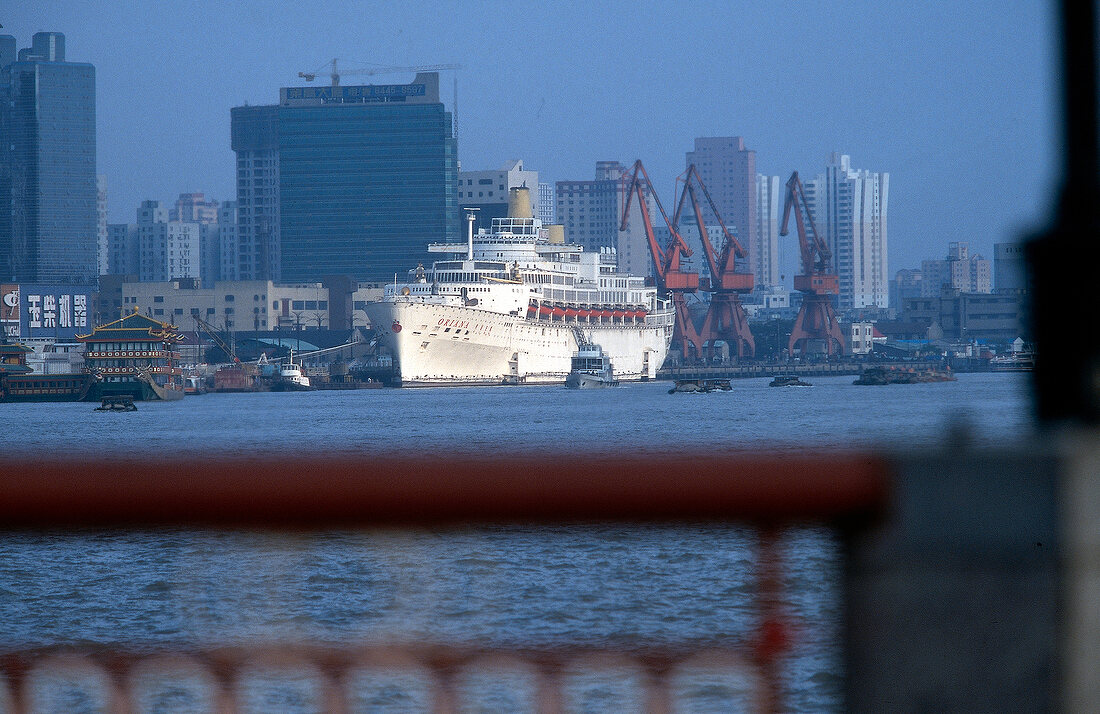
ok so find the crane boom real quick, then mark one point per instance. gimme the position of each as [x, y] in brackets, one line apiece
[816, 321]
[335, 72]
[816, 255]
[209, 330]
[666, 261]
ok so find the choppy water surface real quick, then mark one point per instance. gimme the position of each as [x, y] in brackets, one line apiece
[600, 585]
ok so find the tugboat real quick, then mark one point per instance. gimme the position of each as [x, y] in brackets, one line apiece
[590, 368]
[788, 380]
[290, 378]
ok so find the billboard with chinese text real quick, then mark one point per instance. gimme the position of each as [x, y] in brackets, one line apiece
[57, 311]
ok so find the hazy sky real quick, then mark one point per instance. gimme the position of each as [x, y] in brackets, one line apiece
[955, 100]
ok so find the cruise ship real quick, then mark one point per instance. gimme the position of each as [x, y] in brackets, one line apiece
[513, 305]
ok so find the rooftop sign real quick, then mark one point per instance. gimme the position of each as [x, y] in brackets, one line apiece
[351, 95]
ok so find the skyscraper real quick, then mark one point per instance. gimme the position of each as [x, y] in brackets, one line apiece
[546, 203]
[345, 180]
[48, 218]
[589, 210]
[849, 211]
[255, 139]
[766, 248]
[729, 171]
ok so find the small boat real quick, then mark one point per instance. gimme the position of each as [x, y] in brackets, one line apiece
[903, 375]
[589, 368]
[700, 386]
[1016, 362]
[194, 384]
[290, 378]
[788, 380]
[117, 403]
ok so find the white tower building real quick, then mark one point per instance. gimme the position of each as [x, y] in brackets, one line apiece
[766, 250]
[849, 210]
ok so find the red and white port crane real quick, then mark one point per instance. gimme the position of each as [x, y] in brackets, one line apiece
[671, 277]
[725, 320]
[816, 319]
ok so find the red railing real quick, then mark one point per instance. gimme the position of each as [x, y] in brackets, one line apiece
[431, 491]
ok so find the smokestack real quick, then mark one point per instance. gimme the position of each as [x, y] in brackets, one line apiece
[555, 233]
[519, 203]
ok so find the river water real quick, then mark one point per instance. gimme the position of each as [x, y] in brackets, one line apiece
[512, 586]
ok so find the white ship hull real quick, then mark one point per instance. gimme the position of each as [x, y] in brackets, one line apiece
[436, 344]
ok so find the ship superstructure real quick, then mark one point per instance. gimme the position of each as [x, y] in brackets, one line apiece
[513, 304]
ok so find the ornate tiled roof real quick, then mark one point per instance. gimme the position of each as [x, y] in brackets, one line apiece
[134, 326]
[16, 352]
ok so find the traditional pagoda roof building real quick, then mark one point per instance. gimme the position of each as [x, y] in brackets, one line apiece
[13, 359]
[135, 355]
[19, 383]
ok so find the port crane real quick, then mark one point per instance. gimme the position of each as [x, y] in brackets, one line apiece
[725, 319]
[816, 318]
[335, 73]
[671, 277]
[204, 326]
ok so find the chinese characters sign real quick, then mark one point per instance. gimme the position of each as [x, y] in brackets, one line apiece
[51, 311]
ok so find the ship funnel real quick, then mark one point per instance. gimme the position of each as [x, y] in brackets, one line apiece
[519, 203]
[555, 233]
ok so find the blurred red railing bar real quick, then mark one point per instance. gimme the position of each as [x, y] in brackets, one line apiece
[397, 490]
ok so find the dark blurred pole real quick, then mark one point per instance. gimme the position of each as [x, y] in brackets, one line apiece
[1065, 261]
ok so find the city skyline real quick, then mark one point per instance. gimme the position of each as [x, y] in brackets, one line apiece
[951, 116]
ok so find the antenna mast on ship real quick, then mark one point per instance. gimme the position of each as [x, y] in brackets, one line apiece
[471, 216]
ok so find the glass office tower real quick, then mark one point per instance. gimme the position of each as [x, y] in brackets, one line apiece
[366, 178]
[48, 213]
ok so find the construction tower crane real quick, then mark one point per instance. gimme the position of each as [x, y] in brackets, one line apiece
[725, 320]
[666, 261]
[335, 72]
[816, 319]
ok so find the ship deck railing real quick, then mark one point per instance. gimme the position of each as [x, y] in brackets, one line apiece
[986, 570]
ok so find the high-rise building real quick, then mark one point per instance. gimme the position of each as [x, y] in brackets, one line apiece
[158, 247]
[228, 257]
[849, 211]
[345, 180]
[959, 271]
[1009, 268]
[592, 211]
[101, 224]
[168, 249]
[766, 249]
[589, 210]
[123, 249]
[546, 203]
[48, 220]
[194, 208]
[906, 284]
[729, 171]
[255, 139]
[487, 191]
